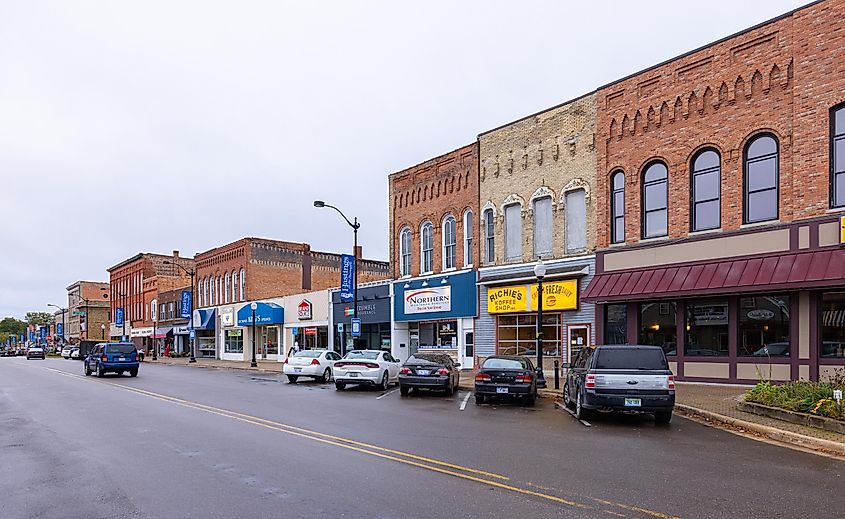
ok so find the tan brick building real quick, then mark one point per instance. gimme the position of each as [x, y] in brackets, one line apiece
[88, 311]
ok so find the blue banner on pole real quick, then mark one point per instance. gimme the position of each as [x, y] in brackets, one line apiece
[43, 332]
[356, 327]
[347, 277]
[59, 329]
[118, 316]
[186, 304]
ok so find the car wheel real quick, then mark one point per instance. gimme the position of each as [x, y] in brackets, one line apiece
[327, 376]
[292, 379]
[580, 412]
[530, 400]
[567, 400]
[133, 372]
[87, 370]
[479, 399]
[450, 390]
[384, 382]
[340, 386]
[404, 390]
[663, 417]
[100, 372]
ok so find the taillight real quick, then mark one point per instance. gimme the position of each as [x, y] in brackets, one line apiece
[482, 377]
[671, 382]
[524, 379]
[286, 360]
[590, 382]
[404, 371]
[315, 362]
[371, 365]
[442, 371]
[105, 359]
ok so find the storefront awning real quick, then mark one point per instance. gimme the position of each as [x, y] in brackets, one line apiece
[204, 319]
[265, 313]
[794, 271]
[161, 332]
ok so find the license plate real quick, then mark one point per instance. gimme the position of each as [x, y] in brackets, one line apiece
[632, 402]
[501, 390]
[121, 359]
[297, 369]
[423, 372]
[353, 374]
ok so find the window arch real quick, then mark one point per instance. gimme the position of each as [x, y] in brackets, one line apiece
[450, 242]
[837, 157]
[426, 248]
[513, 231]
[213, 298]
[234, 286]
[243, 283]
[705, 185]
[405, 252]
[655, 200]
[760, 186]
[617, 207]
[467, 238]
[489, 237]
[226, 288]
[542, 211]
[205, 292]
[576, 220]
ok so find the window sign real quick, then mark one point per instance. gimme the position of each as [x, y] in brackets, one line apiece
[431, 299]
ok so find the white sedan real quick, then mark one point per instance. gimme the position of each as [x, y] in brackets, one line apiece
[75, 354]
[66, 351]
[370, 367]
[310, 363]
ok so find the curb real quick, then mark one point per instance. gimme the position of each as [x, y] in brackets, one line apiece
[201, 366]
[779, 435]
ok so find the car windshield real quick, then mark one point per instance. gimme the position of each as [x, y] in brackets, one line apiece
[311, 354]
[429, 358]
[120, 348]
[359, 354]
[497, 363]
[630, 358]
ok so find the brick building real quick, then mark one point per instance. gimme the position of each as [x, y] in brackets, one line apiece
[721, 186]
[433, 210]
[87, 311]
[538, 178]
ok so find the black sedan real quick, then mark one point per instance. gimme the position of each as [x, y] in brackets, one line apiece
[506, 377]
[429, 371]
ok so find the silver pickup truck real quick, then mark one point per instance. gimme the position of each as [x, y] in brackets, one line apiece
[630, 378]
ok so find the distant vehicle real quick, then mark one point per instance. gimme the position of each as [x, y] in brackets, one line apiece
[630, 378]
[21, 351]
[66, 351]
[429, 371]
[112, 357]
[366, 367]
[775, 348]
[35, 352]
[74, 353]
[506, 376]
[310, 363]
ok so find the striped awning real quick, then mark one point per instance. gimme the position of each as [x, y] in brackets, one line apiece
[835, 318]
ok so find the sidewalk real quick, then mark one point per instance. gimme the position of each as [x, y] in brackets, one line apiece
[267, 366]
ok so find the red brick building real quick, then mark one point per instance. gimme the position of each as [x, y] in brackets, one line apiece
[721, 183]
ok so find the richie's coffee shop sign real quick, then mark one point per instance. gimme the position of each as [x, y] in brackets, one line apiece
[557, 295]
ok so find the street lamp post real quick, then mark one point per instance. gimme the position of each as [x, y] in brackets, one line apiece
[192, 273]
[253, 307]
[103, 332]
[540, 272]
[355, 226]
[64, 310]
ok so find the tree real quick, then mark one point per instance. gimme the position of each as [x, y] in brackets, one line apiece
[12, 326]
[39, 318]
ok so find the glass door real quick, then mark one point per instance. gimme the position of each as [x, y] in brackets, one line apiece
[269, 341]
[579, 337]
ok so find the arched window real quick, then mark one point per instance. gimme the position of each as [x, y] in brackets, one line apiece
[213, 298]
[489, 237]
[405, 252]
[617, 207]
[243, 282]
[450, 242]
[655, 200]
[220, 289]
[837, 157]
[235, 285]
[467, 238]
[226, 288]
[761, 179]
[426, 248]
[576, 220]
[513, 232]
[542, 226]
[705, 184]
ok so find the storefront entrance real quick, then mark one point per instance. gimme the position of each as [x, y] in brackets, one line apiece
[269, 344]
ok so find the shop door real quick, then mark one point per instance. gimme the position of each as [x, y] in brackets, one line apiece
[269, 341]
[579, 337]
[466, 354]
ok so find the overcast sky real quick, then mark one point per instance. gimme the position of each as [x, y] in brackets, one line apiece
[160, 125]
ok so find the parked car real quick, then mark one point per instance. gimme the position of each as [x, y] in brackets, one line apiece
[66, 351]
[429, 371]
[775, 348]
[317, 364]
[506, 376]
[35, 352]
[628, 378]
[21, 351]
[74, 353]
[112, 357]
[366, 367]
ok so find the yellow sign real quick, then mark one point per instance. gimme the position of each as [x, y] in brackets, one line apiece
[507, 299]
[558, 295]
[842, 229]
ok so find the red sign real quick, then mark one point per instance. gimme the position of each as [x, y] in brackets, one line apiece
[305, 310]
[310, 331]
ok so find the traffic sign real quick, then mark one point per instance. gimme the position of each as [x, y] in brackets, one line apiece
[356, 327]
[339, 327]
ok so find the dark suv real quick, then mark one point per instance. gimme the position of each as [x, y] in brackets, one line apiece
[114, 357]
[629, 378]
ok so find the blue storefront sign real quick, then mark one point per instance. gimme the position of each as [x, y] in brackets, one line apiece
[347, 277]
[438, 297]
[266, 313]
[356, 327]
[186, 304]
[118, 316]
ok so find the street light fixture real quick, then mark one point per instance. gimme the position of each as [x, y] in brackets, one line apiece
[103, 332]
[253, 307]
[192, 273]
[64, 311]
[540, 273]
[355, 226]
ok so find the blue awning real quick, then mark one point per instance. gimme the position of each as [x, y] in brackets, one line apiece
[265, 313]
[204, 319]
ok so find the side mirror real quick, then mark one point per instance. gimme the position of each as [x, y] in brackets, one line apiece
[457, 365]
[566, 365]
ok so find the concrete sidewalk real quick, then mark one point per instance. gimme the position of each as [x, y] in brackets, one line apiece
[270, 366]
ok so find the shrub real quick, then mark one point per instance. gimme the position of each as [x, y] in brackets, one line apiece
[806, 397]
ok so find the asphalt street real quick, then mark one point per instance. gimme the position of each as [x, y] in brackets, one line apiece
[180, 442]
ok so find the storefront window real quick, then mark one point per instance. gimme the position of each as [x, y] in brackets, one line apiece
[440, 335]
[234, 341]
[616, 324]
[706, 328]
[518, 335]
[833, 325]
[764, 326]
[658, 325]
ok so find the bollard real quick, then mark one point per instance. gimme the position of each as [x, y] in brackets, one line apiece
[557, 375]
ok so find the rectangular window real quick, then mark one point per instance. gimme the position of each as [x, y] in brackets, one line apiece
[658, 325]
[837, 159]
[513, 232]
[517, 335]
[489, 240]
[542, 227]
[616, 324]
[576, 221]
[706, 328]
[764, 326]
[234, 341]
[833, 324]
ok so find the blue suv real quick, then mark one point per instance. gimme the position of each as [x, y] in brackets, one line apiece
[114, 357]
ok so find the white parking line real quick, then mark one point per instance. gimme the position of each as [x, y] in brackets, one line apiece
[572, 413]
[464, 401]
[388, 393]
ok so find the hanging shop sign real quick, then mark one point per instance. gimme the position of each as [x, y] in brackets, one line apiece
[305, 310]
[186, 305]
[430, 299]
[347, 278]
[557, 295]
[227, 316]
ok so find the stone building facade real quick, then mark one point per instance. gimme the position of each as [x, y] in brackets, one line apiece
[87, 311]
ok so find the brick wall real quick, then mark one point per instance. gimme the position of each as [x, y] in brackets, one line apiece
[445, 185]
[781, 77]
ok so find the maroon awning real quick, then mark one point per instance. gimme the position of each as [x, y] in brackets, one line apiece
[792, 271]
